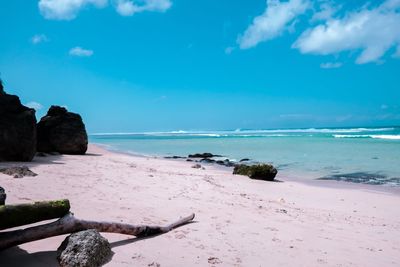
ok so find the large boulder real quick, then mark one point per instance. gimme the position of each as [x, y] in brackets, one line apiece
[3, 196]
[84, 249]
[62, 131]
[17, 129]
[265, 172]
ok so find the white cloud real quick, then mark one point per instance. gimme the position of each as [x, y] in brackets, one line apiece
[39, 38]
[229, 50]
[130, 7]
[275, 19]
[372, 31]
[34, 105]
[397, 53]
[66, 9]
[69, 9]
[80, 52]
[326, 10]
[331, 65]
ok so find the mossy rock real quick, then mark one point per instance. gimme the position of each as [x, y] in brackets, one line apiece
[265, 172]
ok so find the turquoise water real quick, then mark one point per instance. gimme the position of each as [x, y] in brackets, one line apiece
[367, 155]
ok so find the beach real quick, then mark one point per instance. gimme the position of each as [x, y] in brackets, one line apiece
[239, 221]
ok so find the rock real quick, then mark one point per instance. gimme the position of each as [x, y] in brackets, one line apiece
[3, 195]
[18, 172]
[17, 129]
[84, 249]
[226, 163]
[245, 159]
[207, 160]
[259, 171]
[174, 157]
[203, 155]
[62, 131]
[196, 166]
[229, 163]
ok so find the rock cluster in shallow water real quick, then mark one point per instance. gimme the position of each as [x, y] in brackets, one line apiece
[253, 170]
[265, 172]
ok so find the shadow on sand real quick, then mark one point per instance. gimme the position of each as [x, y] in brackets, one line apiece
[16, 256]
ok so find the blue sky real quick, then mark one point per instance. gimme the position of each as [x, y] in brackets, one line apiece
[205, 65]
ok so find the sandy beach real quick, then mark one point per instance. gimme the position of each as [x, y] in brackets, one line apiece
[239, 221]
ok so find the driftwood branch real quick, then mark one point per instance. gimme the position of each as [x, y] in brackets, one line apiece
[70, 224]
[22, 214]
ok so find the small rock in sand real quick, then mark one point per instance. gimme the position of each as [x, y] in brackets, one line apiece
[18, 172]
[214, 260]
[196, 166]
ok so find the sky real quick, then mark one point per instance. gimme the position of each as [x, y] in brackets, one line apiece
[160, 65]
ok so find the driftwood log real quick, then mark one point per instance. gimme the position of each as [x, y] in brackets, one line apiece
[70, 224]
[22, 214]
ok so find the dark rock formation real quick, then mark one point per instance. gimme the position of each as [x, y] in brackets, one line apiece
[207, 160]
[203, 155]
[17, 129]
[62, 131]
[196, 166]
[18, 172]
[3, 196]
[174, 157]
[363, 177]
[84, 249]
[259, 171]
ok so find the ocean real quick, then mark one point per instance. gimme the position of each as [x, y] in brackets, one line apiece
[361, 155]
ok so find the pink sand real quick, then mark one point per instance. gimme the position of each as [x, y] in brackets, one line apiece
[239, 222]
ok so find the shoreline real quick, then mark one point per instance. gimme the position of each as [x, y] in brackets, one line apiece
[288, 175]
[239, 221]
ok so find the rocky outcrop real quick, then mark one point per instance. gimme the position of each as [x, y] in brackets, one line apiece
[17, 129]
[203, 155]
[3, 196]
[265, 172]
[62, 131]
[84, 249]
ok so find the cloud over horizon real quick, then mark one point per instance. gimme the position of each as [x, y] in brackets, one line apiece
[69, 9]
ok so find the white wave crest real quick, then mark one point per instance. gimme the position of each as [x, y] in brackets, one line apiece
[389, 137]
[374, 136]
